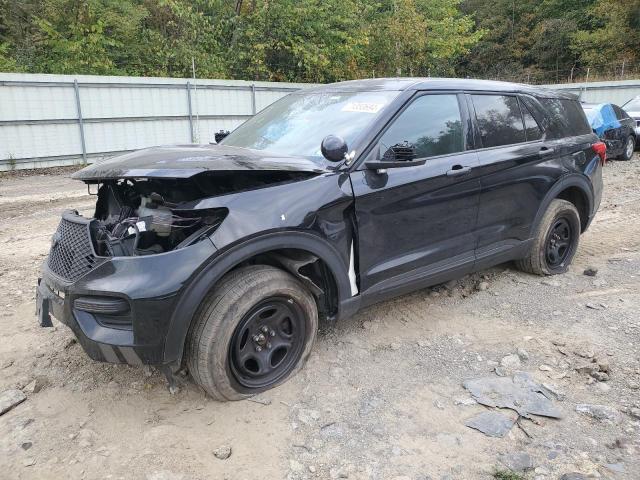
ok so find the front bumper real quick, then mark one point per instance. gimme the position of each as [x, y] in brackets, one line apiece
[100, 343]
[150, 285]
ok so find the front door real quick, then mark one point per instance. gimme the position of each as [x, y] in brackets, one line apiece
[417, 222]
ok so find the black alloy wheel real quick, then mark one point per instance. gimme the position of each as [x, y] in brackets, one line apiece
[559, 242]
[267, 343]
[555, 241]
[252, 332]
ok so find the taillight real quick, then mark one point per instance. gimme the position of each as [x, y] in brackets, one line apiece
[600, 148]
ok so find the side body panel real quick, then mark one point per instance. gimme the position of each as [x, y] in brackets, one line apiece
[416, 223]
[415, 220]
[516, 180]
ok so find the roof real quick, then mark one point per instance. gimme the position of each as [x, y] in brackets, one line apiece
[400, 84]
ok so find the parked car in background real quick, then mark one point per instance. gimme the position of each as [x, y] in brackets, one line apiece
[632, 107]
[223, 258]
[615, 128]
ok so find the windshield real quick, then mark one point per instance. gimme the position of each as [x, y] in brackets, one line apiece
[297, 123]
[632, 105]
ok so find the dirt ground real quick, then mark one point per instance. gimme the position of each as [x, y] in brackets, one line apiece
[380, 398]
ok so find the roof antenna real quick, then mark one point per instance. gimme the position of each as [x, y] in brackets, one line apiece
[195, 98]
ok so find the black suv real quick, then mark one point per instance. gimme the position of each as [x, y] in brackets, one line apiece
[223, 258]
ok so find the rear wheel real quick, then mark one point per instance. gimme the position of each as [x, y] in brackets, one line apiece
[556, 240]
[629, 147]
[254, 330]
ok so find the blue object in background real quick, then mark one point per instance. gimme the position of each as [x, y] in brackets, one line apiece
[602, 118]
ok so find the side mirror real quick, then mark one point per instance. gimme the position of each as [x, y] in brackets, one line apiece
[220, 135]
[333, 148]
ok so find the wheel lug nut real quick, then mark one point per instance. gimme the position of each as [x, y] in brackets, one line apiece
[264, 329]
[258, 349]
[269, 345]
[272, 333]
[256, 338]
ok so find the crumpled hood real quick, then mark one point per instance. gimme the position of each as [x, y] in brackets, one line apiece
[184, 161]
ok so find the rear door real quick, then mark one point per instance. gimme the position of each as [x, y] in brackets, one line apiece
[517, 164]
[416, 222]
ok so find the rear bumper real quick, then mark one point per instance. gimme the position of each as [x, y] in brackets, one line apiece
[150, 286]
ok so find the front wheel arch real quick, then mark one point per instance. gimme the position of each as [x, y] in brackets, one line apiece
[197, 289]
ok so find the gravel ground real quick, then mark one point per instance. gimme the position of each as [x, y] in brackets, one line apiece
[381, 396]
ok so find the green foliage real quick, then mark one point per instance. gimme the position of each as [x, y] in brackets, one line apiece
[507, 475]
[317, 40]
[7, 64]
[615, 32]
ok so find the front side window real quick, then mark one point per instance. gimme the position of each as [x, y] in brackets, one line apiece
[431, 125]
[499, 120]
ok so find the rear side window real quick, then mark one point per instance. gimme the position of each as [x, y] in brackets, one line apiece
[531, 127]
[566, 117]
[431, 123]
[499, 120]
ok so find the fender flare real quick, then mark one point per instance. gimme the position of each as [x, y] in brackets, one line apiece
[197, 289]
[571, 180]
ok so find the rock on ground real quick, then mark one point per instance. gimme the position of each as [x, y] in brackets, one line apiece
[9, 399]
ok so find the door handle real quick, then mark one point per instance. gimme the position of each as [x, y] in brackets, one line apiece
[457, 170]
[545, 151]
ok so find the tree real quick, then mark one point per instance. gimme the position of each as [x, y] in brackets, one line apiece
[614, 33]
[419, 37]
[303, 40]
[319, 40]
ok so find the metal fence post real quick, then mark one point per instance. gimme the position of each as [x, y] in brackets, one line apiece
[253, 98]
[76, 87]
[190, 113]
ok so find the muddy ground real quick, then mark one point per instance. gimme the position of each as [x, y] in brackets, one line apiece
[381, 396]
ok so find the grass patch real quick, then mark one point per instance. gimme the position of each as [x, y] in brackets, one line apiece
[507, 475]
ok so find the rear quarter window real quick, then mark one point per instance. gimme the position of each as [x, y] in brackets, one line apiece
[565, 118]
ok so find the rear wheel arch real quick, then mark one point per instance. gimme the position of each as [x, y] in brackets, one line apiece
[270, 249]
[579, 198]
[575, 189]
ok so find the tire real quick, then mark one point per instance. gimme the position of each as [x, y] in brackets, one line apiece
[629, 147]
[226, 354]
[561, 216]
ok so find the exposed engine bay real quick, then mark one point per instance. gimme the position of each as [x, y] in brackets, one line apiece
[146, 216]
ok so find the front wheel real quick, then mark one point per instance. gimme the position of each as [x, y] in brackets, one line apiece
[252, 332]
[556, 240]
[629, 147]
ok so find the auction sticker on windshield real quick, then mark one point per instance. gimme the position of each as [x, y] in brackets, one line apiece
[363, 107]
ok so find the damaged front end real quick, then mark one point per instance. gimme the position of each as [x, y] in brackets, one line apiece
[119, 278]
[143, 217]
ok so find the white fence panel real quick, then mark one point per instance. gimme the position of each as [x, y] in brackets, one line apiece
[618, 92]
[49, 120]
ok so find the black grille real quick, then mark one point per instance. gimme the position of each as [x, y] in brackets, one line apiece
[71, 255]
